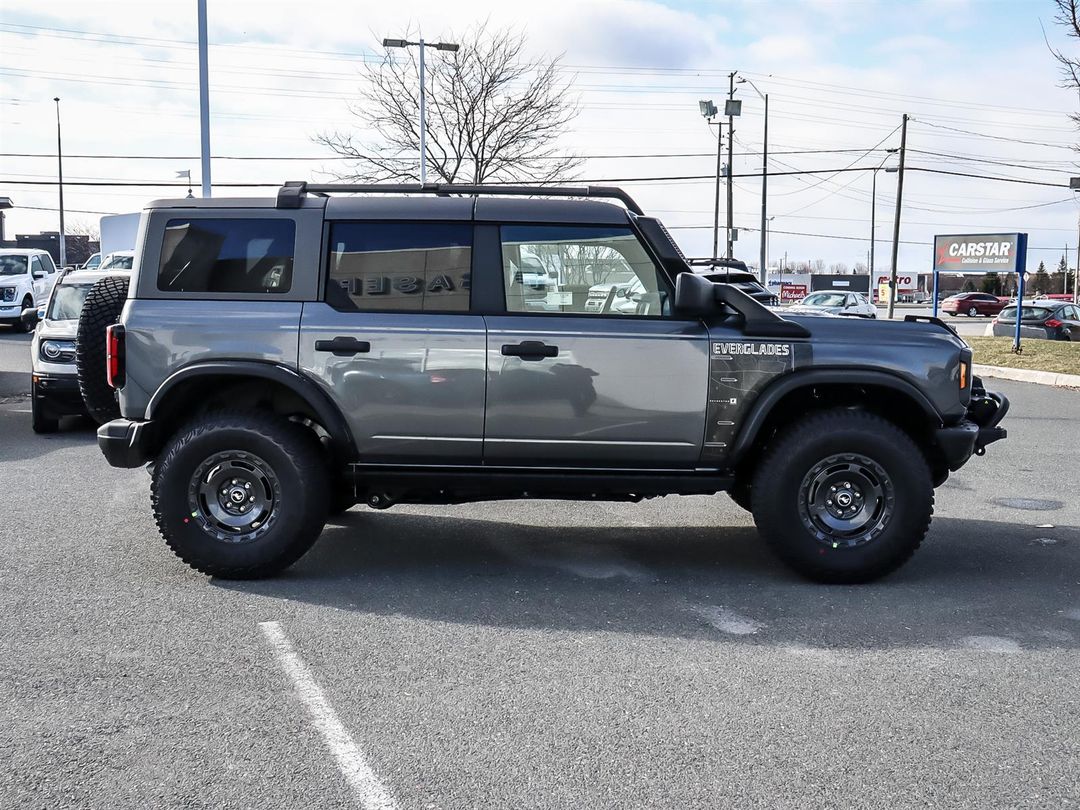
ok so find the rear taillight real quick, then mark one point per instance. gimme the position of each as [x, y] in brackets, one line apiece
[114, 355]
[1053, 323]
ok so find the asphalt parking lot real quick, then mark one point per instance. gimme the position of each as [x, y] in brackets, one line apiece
[539, 654]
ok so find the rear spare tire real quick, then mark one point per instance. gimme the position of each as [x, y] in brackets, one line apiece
[843, 496]
[102, 309]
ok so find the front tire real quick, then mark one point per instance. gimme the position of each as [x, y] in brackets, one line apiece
[843, 496]
[972, 312]
[240, 495]
[20, 325]
[40, 422]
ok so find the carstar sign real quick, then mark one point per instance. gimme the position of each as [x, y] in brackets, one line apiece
[977, 253]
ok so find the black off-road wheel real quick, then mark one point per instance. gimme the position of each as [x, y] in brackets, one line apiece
[240, 495]
[843, 496]
[102, 308]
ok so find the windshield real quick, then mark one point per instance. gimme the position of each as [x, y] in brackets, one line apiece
[1026, 314]
[117, 262]
[12, 265]
[67, 302]
[825, 300]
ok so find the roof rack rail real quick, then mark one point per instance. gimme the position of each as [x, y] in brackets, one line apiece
[291, 193]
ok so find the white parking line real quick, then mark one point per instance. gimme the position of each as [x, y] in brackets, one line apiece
[369, 791]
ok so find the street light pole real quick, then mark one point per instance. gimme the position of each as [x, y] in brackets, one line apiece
[764, 177]
[730, 164]
[60, 178]
[439, 46]
[708, 112]
[204, 101]
[896, 217]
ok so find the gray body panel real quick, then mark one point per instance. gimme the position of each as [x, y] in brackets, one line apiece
[626, 392]
[164, 336]
[921, 354]
[436, 389]
[417, 395]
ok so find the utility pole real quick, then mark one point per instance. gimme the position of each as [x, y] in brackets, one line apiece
[1076, 272]
[873, 225]
[60, 178]
[730, 158]
[204, 100]
[716, 203]
[896, 218]
[764, 197]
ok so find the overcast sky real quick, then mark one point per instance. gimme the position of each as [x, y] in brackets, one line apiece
[976, 76]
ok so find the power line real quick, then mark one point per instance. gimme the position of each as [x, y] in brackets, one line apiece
[403, 159]
[994, 137]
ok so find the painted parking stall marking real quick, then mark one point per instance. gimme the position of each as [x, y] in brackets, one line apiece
[365, 784]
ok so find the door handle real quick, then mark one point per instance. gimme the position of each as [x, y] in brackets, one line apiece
[530, 350]
[343, 346]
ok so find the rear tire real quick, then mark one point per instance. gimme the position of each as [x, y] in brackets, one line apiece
[843, 496]
[240, 495]
[102, 309]
[972, 312]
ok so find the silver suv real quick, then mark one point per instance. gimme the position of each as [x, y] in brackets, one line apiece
[277, 360]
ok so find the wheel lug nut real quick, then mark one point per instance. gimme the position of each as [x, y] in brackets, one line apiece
[247, 485]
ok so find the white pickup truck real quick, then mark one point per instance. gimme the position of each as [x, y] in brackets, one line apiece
[27, 277]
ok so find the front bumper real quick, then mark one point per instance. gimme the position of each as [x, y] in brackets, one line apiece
[57, 396]
[979, 428]
[126, 443]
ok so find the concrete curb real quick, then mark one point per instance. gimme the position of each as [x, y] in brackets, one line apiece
[1029, 376]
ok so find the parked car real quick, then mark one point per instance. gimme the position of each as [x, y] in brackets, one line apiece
[833, 302]
[278, 360]
[1043, 318]
[972, 304]
[118, 260]
[1055, 297]
[27, 276]
[54, 386]
[91, 263]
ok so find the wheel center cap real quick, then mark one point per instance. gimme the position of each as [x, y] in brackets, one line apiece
[844, 499]
[237, 495]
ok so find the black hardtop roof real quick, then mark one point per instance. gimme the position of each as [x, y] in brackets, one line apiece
[480, 209]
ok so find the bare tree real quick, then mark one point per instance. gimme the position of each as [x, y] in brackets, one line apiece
[493, 113]
[1068, 17]
[838, 268]
[83, 227]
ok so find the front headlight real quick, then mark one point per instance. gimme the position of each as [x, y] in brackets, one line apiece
[7, 293]
[57, 351]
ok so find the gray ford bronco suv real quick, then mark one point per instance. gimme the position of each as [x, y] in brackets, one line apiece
[277, 360]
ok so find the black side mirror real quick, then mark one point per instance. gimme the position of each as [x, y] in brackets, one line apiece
[694, 295]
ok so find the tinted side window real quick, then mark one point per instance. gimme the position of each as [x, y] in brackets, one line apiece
[35, 265]
[587, 270]
[227, 255]
[47, 263]
[400, 266]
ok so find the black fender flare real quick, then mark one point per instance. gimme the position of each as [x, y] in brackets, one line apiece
[808, 378]
[327, 412]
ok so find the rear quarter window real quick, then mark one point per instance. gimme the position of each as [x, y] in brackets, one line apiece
[227, 256]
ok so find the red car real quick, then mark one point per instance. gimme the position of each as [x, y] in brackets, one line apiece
[972, 304]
